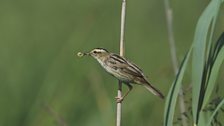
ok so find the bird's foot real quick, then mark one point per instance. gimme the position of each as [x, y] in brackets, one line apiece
[119, 99]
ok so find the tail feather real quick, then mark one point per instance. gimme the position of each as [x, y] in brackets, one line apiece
[153, 90]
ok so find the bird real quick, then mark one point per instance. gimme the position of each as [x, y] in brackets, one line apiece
[122, 69]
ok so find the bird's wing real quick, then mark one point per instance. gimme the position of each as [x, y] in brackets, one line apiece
[121, 63]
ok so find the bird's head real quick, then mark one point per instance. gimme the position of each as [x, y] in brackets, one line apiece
[98, 53]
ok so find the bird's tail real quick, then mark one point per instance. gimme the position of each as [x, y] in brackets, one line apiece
[153, 90]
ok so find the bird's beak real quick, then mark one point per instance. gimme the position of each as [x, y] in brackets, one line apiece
[88, 54]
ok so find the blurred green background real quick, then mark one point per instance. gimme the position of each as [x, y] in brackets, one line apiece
[44, 83]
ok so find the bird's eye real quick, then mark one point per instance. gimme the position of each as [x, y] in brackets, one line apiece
[96, 52]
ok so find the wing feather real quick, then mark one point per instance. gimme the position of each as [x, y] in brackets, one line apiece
[124, 65]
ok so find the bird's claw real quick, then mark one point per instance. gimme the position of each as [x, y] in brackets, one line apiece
[119, 99]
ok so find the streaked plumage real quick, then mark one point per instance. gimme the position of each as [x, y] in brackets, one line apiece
[123, 70]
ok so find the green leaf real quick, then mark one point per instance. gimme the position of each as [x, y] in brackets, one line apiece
[199, 46]
[215, 70]
[173, 92]
[212, 29]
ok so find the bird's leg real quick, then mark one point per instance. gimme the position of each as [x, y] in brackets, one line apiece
[120, 99]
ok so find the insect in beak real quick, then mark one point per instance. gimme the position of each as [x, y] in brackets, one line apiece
[80, 54]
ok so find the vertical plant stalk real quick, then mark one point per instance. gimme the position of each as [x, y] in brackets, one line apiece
[119, 93]
[169, 21]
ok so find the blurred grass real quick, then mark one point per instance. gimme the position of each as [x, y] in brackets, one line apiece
[38, 64]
